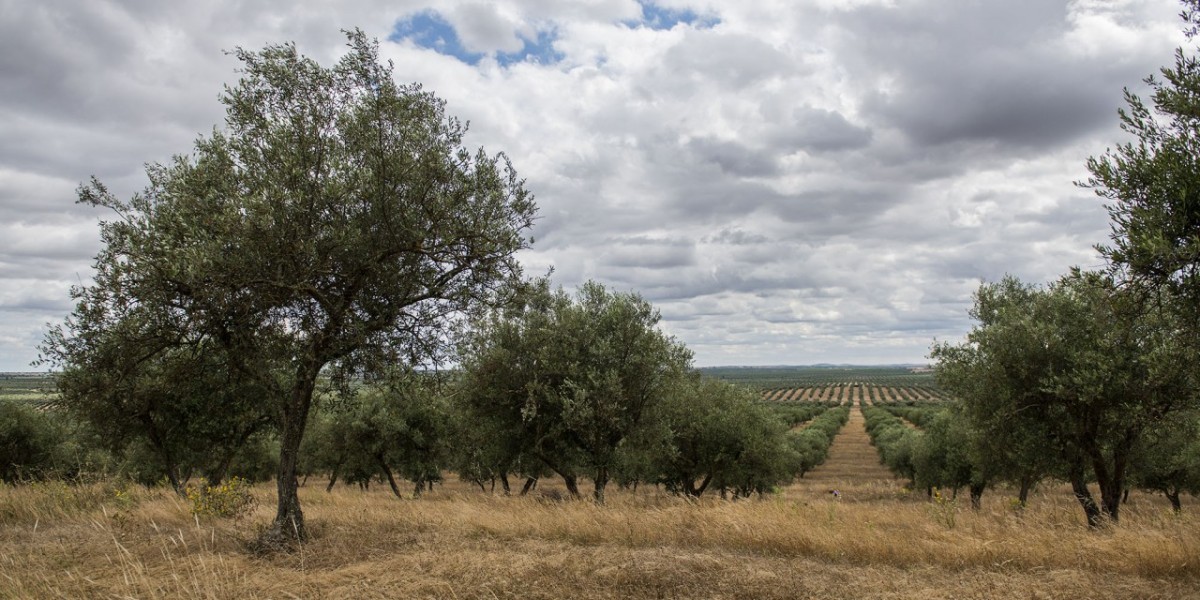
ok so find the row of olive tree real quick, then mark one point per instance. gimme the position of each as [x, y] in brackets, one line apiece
[699, 435]
[587, 385]
[1094, 377]
[578, 386]
[943, 451]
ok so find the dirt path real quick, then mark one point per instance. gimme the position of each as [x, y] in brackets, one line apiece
[853, 463]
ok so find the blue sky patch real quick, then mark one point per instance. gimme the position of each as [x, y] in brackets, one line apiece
[540, 50]
[660, 17]
[429, 29]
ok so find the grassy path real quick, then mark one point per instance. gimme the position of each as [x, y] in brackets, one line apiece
[853, 464]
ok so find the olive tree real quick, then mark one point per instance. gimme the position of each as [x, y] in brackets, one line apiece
[1167, 459]
[946, 457]
[573, 376]
[28, 440]
[707, 434]
[148, 388]
[1152, 183]
[1081, 365]
[336, 224]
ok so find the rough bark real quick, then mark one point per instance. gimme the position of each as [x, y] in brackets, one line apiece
[696, 491]
[332, 479]
[1084, 496]
[601, 483]
[1023, 493]
[530, 483]
[170, 467]
[572, 485]
[390, 478]
[289, 519]
[1173, 496]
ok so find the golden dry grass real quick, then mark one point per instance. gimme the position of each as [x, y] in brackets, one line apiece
[877, 541]
[874, 541]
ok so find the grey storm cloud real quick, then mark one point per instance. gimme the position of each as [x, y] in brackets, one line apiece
[733, 158]
[818, 130]
[985, 72]
[736, 237]
[640, 252]
[789, 181]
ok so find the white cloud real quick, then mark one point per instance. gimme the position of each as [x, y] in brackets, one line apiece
[801, 182]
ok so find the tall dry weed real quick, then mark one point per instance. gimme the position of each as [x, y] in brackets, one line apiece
[869, 542]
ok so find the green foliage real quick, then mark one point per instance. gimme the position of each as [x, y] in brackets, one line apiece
[168, 411]
[1152, 184]
[335, 225]
[569, 379]
[709, 434]
[231, 499]
[811, 444]
[1076, 371]
[29, 440]
[896, 442]
[399, 426]
[946, 456]
[793, 414]
[1167, 458]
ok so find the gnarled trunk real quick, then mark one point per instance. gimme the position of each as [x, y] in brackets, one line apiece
[530, 483]
[1027, 484]
[383, 466]
[572, 485]
[289, 519]
[601, 482]
[333, 478]
[1173, 496]
[1090, 509]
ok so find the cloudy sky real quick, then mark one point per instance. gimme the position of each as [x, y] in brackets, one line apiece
[789, 181]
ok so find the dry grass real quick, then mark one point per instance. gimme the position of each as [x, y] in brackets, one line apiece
[875, 542]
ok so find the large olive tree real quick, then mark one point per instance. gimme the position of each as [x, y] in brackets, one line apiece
[336, 224]
[1079, 371]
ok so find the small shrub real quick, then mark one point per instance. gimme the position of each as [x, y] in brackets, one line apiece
[944, 509]
[231, 499]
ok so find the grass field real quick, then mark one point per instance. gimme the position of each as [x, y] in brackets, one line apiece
[453, 543]
[873, 541]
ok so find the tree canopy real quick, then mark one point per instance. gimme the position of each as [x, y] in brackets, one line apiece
[335, 225]
[1152, 183]
[571, 378]
[1079, 370]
